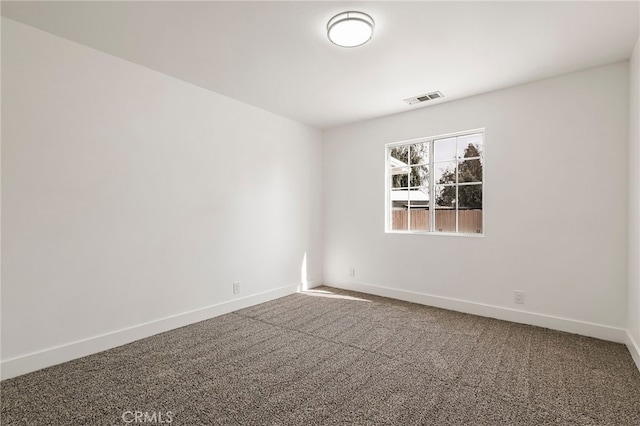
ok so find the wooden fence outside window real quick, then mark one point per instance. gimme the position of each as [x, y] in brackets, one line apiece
[469, 221]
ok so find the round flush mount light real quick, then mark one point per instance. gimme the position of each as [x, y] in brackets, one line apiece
[350, 29]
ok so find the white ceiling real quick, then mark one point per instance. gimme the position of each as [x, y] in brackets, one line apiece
[275, 55]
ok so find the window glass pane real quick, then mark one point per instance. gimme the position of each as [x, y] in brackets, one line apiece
[470, 145]
[400, 181]
[419, 218]
[398, 157]
[399, 198]
[444, 149]
[419, 153]
[399, 154]
[470, 221]
[419, 197]
[399, 220]
[399, 214]
[445, 209]
[444, 172]
[470, 196]
[470, 209]
[470, 170]
[419, 175]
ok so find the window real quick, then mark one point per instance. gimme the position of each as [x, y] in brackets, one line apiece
[434, 185]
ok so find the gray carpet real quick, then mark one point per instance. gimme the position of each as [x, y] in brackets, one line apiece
[337, 358]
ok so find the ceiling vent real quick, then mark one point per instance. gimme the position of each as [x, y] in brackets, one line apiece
[423, 98]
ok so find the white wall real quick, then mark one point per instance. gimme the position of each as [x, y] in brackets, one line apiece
[132, 200]
[555, 207]
[634, 205]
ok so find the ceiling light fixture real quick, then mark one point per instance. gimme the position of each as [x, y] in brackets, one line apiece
[350, 29]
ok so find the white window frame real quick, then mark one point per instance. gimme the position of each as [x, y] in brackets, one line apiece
[432, 185]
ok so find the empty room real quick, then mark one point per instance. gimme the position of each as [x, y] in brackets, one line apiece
[320, 213]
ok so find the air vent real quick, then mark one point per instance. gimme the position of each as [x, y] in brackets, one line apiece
[424, 98]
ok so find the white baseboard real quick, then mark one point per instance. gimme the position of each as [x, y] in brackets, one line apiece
[35, 361]
[618, 335]
[46, 358]
[634, 349]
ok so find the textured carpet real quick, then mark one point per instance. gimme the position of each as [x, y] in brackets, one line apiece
[329, 357]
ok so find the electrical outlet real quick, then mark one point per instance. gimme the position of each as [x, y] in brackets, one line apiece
[236, 288]
[352, 272]
[518, 296]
